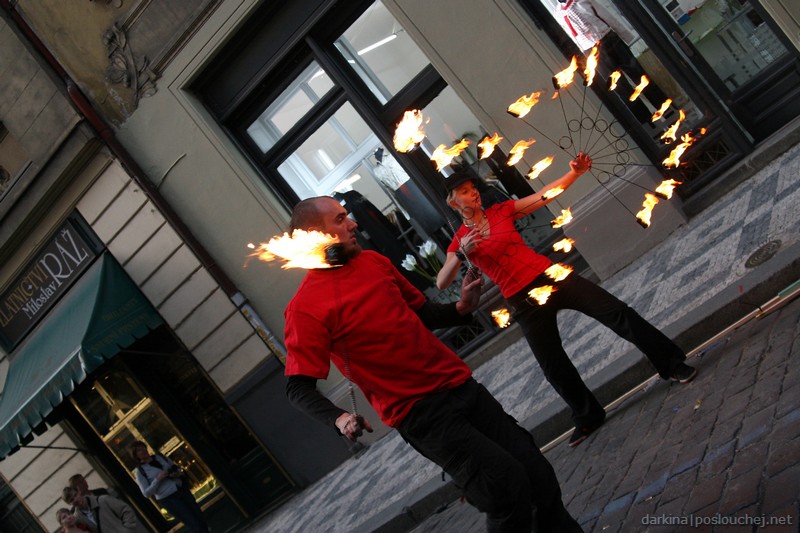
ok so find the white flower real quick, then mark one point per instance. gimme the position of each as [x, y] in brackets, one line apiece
[427, 249]
[410, 263]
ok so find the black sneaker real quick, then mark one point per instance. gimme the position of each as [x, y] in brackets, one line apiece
[582, 433]
[683, 373]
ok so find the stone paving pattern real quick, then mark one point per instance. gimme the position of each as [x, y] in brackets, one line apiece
[725, 445]
[696, 262]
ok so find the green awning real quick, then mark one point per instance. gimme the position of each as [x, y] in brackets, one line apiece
[103, 313]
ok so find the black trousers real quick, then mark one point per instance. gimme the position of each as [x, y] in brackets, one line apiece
[539, 325]
[490, 457]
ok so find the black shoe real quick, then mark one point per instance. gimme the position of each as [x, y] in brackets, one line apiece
[582, 433]
[683, 373]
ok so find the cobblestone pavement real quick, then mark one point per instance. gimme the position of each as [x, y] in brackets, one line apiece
[720, 454]
[688, 277]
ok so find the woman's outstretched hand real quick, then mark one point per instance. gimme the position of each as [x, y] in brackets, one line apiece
[581, 163]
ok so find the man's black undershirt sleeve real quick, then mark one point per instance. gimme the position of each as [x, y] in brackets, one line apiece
[303, 395]
[435, 315]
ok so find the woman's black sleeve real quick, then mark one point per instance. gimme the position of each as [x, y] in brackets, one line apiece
[435, 315]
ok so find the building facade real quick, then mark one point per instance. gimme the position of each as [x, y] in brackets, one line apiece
[144, 145]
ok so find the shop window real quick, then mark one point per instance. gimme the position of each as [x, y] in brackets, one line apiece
[156, 392]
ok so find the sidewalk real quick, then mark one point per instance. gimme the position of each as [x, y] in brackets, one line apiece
[719, 454]
[691, 286]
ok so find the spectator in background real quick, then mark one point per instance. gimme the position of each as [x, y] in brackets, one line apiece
[157, 476]
[79, 483]
[69, 522]
[104, 514]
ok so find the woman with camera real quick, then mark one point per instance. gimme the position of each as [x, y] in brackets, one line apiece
[158, 477]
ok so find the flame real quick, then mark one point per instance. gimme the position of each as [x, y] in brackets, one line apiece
[591, 66]
[555, 95]
[674, 157]
[613, 78]
[501, 317]
[541, 294]
[565, 77]
[539, 167]
[663, 109]
[563, 219]
[408, 133]
[524, 104]
[639, 88]
[670, 134]
[643, 216]
[666, 188]
[517, 151]
[443, 155]
[303, 249]
[551, 193]
[558, 271]
[564, 245]
[487, 145]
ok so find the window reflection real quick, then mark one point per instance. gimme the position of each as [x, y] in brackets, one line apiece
[290, 107]
[382, 54]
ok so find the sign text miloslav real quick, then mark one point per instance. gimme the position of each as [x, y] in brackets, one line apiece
[54, 269]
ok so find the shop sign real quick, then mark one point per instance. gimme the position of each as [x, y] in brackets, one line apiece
[43, 281]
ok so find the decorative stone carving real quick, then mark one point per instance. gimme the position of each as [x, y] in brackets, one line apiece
[123, 69]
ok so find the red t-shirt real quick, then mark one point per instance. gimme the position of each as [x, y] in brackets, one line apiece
[366, 310]
[504, 256]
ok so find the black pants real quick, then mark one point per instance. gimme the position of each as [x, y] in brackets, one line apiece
[539, 325]
[490, 457]
[182, 505]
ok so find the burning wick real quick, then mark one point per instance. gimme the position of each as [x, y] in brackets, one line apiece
[562, 220]
[487, 145]
[558, 272]
[443, 156]
[674, 157]
[552, 193]
[303, 249]
[539, 167]
[565, 77]
[524, 104]
[408, 133]
[670, 135]
[517, 151]
[591, 66]
[643, 216]
[666, 188]
[501, 317]
[541, 294]
[639, 88]
[613, 78]
[564, 245]
[663, 109]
